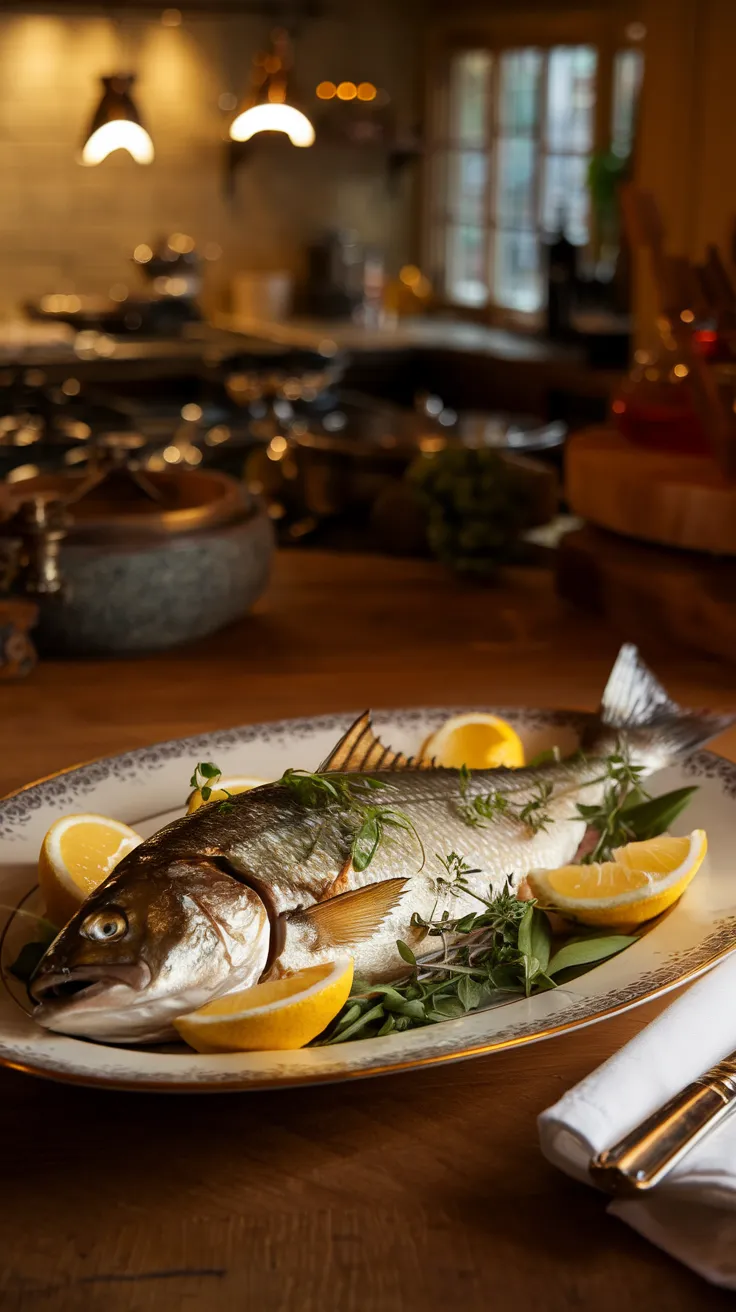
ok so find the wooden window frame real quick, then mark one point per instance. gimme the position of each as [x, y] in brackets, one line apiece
[496, 35]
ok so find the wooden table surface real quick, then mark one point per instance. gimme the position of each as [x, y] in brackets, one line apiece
[421, 1190]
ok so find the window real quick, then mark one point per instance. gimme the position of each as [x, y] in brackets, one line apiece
[514, 135]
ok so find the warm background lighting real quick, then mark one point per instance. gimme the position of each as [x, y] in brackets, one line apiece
[347, 91]
[326, 90]
[273, 118]
[121, 134]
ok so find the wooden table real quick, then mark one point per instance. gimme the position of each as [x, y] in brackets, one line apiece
[424, 1190]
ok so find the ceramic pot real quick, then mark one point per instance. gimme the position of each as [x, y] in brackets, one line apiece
[138, 578]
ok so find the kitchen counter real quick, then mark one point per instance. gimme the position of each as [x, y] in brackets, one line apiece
[407, 334]
[418, 1190]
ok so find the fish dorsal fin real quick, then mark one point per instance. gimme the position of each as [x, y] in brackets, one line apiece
[359, 751]
[351, 917]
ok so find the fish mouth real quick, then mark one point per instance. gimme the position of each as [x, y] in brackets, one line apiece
[81, 985]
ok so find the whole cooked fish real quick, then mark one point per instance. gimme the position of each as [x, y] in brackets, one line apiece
[271, 881]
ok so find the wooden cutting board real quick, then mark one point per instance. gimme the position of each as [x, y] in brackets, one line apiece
[677, 501]
[645, 591]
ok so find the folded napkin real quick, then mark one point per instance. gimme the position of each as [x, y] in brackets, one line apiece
[692, 1214]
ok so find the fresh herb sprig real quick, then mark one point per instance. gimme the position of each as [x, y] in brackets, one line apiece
[505, 947]
[491, 806]
[347, 800]
[627, 812]
[206, 778]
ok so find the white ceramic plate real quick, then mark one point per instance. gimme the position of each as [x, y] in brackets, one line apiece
[147, 789]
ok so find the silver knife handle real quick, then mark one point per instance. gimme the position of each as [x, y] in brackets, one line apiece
[645, 1156]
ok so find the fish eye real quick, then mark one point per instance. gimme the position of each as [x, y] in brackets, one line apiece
[105, 926]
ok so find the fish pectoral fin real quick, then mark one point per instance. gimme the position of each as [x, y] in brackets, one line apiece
[360, 750]
[351, 917]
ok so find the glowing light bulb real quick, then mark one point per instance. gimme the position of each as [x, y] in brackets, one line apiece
[120, 134]
[273, 118]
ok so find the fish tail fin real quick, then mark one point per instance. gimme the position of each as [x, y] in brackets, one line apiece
[639, 711]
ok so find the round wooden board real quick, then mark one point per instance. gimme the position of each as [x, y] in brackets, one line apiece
[677, 501]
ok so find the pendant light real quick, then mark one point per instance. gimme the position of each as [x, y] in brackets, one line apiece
[270, 108]
[116, 124]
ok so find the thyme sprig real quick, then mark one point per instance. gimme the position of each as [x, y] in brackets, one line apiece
[491, 806]
[347, 800]
[627, 812]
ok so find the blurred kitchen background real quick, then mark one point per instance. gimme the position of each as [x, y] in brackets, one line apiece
[360, 276]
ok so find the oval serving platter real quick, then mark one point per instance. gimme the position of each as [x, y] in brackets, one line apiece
[148, 788]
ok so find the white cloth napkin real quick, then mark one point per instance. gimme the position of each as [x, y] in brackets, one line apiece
[692, 1214]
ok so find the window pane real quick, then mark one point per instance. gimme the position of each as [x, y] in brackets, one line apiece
[517, 280]
[565, 197]
[470, 86]
[519, 107]
[571, 98]
[517, 161]
[628, 71]
[466, 191]
[467, 279]
[439, 186]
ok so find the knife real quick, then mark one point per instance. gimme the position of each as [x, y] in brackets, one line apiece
[645, 1156]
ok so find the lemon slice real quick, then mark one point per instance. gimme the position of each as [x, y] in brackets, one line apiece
[642, 880]
[227, 784]
[281, 1013]
[77, 854]
[478, 740]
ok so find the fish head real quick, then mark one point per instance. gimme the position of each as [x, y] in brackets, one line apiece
[155, 941]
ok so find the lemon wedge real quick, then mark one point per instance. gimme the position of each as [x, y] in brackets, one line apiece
[77, 854]
[281, 1013]
[478, 740]
[642, 881]
[226, 785]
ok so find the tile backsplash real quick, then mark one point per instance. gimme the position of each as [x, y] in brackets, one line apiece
[64, 227]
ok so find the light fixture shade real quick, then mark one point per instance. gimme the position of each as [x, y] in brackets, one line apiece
[273, 116]
[269, 109]
[116, 124]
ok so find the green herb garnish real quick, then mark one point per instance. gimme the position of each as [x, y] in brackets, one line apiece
[506, 947]
[347, 801]
[627, 812]
[206, 777]
[493, 805]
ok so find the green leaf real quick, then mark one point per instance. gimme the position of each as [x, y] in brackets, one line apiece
[365, 843]
[648, 819]
[550, 756]
[583, 952]
[403, 1023]
[206, 792]
[540, 937]
[449, 1008]
[469, 992]
[415, 1010]
[531, 971]
[209, 770]
[27, 960]
[352, 1013]
[405, 952]
[352, 1031]
[388, 1025]
[524, 938]
[466, 923]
